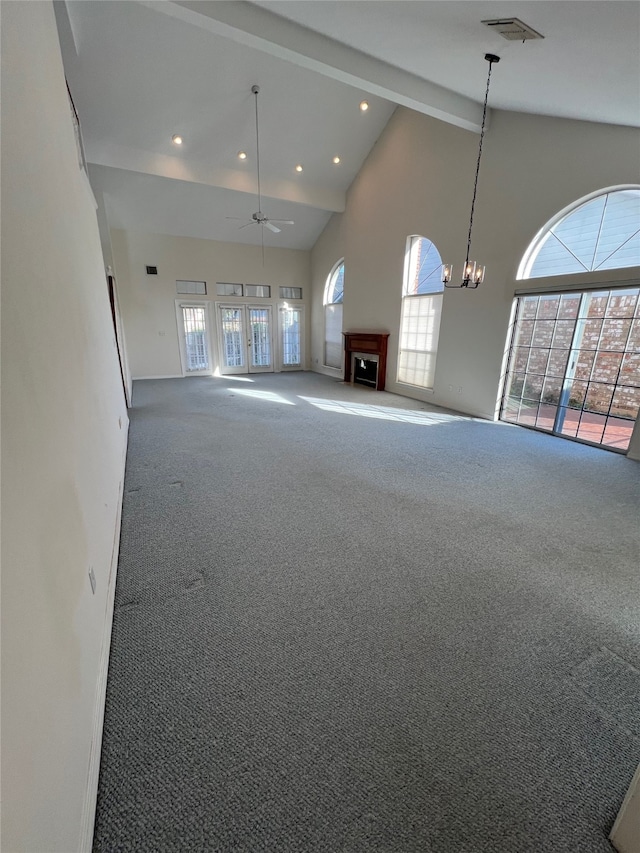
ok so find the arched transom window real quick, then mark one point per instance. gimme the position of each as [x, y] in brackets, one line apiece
[601, 233]
[423, 268]
[334, 290]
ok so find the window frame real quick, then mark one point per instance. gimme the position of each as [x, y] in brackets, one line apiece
[335, 307]
[433, 300]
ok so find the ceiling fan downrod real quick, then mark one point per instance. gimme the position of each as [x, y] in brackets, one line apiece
[255, 89]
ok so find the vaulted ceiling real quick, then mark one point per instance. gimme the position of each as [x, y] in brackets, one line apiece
[140, 72]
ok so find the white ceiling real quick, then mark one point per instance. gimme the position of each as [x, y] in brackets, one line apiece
[142, 71]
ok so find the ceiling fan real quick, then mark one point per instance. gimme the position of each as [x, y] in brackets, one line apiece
[259, 218]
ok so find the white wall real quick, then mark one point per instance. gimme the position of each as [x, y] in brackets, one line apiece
[148, 302]
[64, 426]
[418, 179]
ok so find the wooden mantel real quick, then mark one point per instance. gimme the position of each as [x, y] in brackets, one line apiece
[370, 343]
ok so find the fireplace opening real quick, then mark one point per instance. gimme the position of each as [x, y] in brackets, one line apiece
[365, 371]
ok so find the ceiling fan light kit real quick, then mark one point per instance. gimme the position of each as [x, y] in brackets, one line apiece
[472, 272]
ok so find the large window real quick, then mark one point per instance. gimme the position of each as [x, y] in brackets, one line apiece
[574, 365]
[574, 358]
[333, 294]
[421, 310]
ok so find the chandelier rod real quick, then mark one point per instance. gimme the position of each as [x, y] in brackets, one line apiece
[491, 58]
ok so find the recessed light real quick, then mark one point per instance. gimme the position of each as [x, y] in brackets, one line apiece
[299, 167]
[242, 155]
[176, 139]
[364, 106]
[336, 159]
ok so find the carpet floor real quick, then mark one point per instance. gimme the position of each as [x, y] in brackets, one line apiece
[350, 622]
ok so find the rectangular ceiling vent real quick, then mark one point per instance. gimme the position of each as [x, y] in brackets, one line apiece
[152, 270]
[512, 29]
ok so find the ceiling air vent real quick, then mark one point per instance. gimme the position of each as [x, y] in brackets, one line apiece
[152, 270]
[512, 29]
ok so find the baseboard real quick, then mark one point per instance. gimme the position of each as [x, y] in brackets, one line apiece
[91, 792]
[169, 376]
[334, 372]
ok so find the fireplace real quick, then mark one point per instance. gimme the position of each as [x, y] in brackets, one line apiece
[365, 358]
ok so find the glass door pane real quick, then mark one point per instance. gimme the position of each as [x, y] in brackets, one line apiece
[291, 332]
[260, 339]
[195, 339]
[233, 359]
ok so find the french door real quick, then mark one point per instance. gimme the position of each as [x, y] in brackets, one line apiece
[245, 334]
[574, 365]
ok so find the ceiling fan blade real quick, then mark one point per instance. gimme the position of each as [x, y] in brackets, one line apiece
[283, 221]
[239, 218]
[246, 225]
[271, 226]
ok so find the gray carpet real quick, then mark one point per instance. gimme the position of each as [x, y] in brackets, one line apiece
[349, 622]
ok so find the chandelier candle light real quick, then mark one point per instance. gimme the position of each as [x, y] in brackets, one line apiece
[473, 273]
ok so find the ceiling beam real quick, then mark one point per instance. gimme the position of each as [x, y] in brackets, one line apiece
[258, 28]
[66, 33]
[175, 168]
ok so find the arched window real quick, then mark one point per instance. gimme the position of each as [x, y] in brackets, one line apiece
[421, 310]
[333, 294]
[574, 357]
[601, 233]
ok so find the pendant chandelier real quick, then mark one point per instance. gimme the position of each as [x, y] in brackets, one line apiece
[473, 273]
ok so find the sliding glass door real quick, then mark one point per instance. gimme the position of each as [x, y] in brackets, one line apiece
[574, 365]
